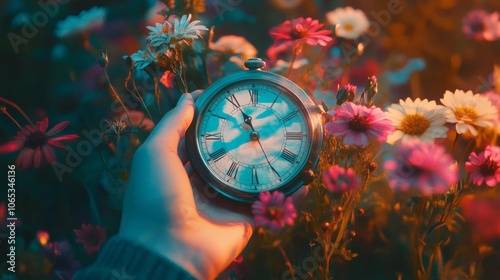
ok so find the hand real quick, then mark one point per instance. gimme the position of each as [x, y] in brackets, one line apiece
[171, 211]
[160, 210]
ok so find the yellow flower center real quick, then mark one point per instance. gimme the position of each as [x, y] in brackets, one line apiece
[466, 114]
[348, 27]
[414, 124]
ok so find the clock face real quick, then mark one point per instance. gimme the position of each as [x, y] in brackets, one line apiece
[253, 136]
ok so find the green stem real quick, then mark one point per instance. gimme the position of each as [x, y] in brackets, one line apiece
[17, 108]
[12, 118]
[117, 97]
[287, 261]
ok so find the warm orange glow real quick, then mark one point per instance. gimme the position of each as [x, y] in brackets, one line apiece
[42, 237]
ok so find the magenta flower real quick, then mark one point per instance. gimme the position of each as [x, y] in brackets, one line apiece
[337, 179]
[422, 166]
[91, 237]
[301, 30]
[480, 25]
[36, 142]
[357, 123]
[273, 211]
[485, 167]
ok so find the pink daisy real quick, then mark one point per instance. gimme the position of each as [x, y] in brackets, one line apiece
[422, 166]
[91, 237]
[485, 167]
[273, 211]
[36, 142]
[337, 179]
[480, 25]
[357, 123]
[301, 30]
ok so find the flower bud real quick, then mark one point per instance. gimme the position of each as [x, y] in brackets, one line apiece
[128, 61]
[372, 166]
[3, 109]
[361, 211]
[103, 59]
[371, 89]
[346, 93]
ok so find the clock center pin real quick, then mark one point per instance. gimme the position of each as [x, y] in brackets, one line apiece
[254, 136]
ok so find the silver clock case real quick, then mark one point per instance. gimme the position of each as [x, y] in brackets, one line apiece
[312, 112]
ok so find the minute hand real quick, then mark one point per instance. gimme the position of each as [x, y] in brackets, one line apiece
[267, 159]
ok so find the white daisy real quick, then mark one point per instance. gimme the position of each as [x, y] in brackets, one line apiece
[349, 23]
[143, 58]
[420, 119]
[85, 21]
[159, 35]
[187, 29]
[468, 111]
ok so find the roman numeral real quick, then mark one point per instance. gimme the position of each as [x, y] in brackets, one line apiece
[215, 115]
[254, 96]
[233, 101]
[274, 101]
[212, 136]
[289, 116]
[217, 155]
[233, 170]
[294, 136]
[255, 178]
[288, 156]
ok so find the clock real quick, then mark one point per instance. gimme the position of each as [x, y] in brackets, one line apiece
[255, 131]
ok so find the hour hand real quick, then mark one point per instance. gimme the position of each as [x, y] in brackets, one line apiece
[248, 120]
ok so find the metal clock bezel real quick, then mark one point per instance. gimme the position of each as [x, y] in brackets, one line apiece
[314, 123]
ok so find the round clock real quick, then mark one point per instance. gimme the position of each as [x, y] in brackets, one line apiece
[255, 131]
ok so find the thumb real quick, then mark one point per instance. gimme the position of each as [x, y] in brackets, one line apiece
[172, 127]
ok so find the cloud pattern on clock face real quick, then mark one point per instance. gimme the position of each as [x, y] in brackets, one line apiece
[235, 154]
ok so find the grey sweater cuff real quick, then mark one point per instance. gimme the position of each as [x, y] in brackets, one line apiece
[122, 259]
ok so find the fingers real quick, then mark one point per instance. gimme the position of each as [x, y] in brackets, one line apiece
[196, 94]
[174, 124]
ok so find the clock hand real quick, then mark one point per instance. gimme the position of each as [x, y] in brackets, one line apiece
[267, 159]
[247, 119]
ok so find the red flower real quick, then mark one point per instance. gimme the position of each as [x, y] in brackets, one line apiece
[300, 30]
[36, 142]
[91, 237]
[485, 166]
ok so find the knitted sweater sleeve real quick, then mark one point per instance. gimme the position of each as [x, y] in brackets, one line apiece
[122, 259]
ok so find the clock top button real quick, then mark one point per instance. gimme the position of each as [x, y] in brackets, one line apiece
[255, 64]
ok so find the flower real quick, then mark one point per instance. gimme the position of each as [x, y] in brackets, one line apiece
[85, 21]
[187, 29]
[91, 237]
[273, 211]
[143, 59]
[420, 119]
[357, 123]
[483, 214]
[338, 179]
[42, 237]
[480, 25]
[422, 166]
[234, 45]
[301, 30]
[349, 23]
[167, 79]
[485, 167]
[36, 142]
[169, 34]
[468, 111]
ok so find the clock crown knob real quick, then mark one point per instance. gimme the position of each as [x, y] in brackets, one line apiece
[255, 64]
